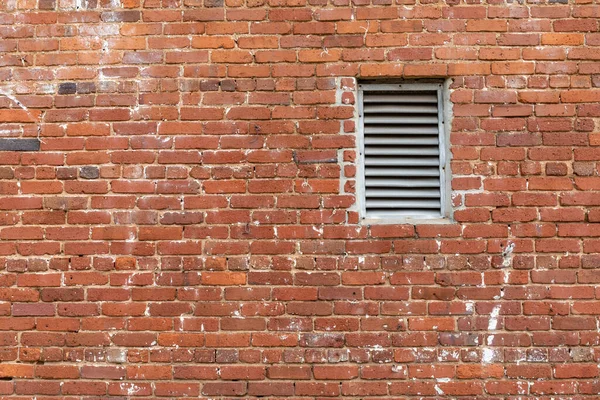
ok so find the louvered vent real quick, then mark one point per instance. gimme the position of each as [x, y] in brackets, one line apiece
[402, 163]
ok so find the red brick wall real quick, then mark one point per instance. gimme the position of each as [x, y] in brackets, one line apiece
[188, 227]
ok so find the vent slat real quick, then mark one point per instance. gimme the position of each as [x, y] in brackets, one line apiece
[377, 108]
[403, 193]
[404, 205]
[401, 153]
[402, 140]
[392, 97]
[393, 213]
[410, 182]
[400, 120]
[401, 171]
[401, 130]
[404, 161]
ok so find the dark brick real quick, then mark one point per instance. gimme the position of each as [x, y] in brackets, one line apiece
[308, 157]
[7, 173]
[86, 87]
[583, 168]
[67, 88]
[66, 173]
[19, 144]
[89, 172]
[121, 16]
[213, 3]
[209, 85]
[38, 309]
[47, 4]
[556, 169]
[228, 85]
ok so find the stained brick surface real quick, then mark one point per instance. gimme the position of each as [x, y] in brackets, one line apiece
[189, 225]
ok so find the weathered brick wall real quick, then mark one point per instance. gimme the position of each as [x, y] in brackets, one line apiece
[189, 228]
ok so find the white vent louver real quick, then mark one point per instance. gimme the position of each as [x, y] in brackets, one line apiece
[402, 151]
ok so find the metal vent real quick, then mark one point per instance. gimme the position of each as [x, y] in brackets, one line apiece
[402, 151]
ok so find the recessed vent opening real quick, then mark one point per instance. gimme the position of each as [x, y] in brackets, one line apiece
[402, 153]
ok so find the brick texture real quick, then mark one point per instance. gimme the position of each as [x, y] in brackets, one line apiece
[189, 226]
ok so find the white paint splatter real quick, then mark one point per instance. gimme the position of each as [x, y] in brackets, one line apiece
[13, 99]
[488, 354]
[507, 255]
[493, 324]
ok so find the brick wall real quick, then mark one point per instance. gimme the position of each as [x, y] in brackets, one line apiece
[188, 226]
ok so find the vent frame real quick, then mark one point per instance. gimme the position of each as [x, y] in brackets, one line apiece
[406, 214]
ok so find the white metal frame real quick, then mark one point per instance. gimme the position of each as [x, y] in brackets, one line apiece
[444, 114]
